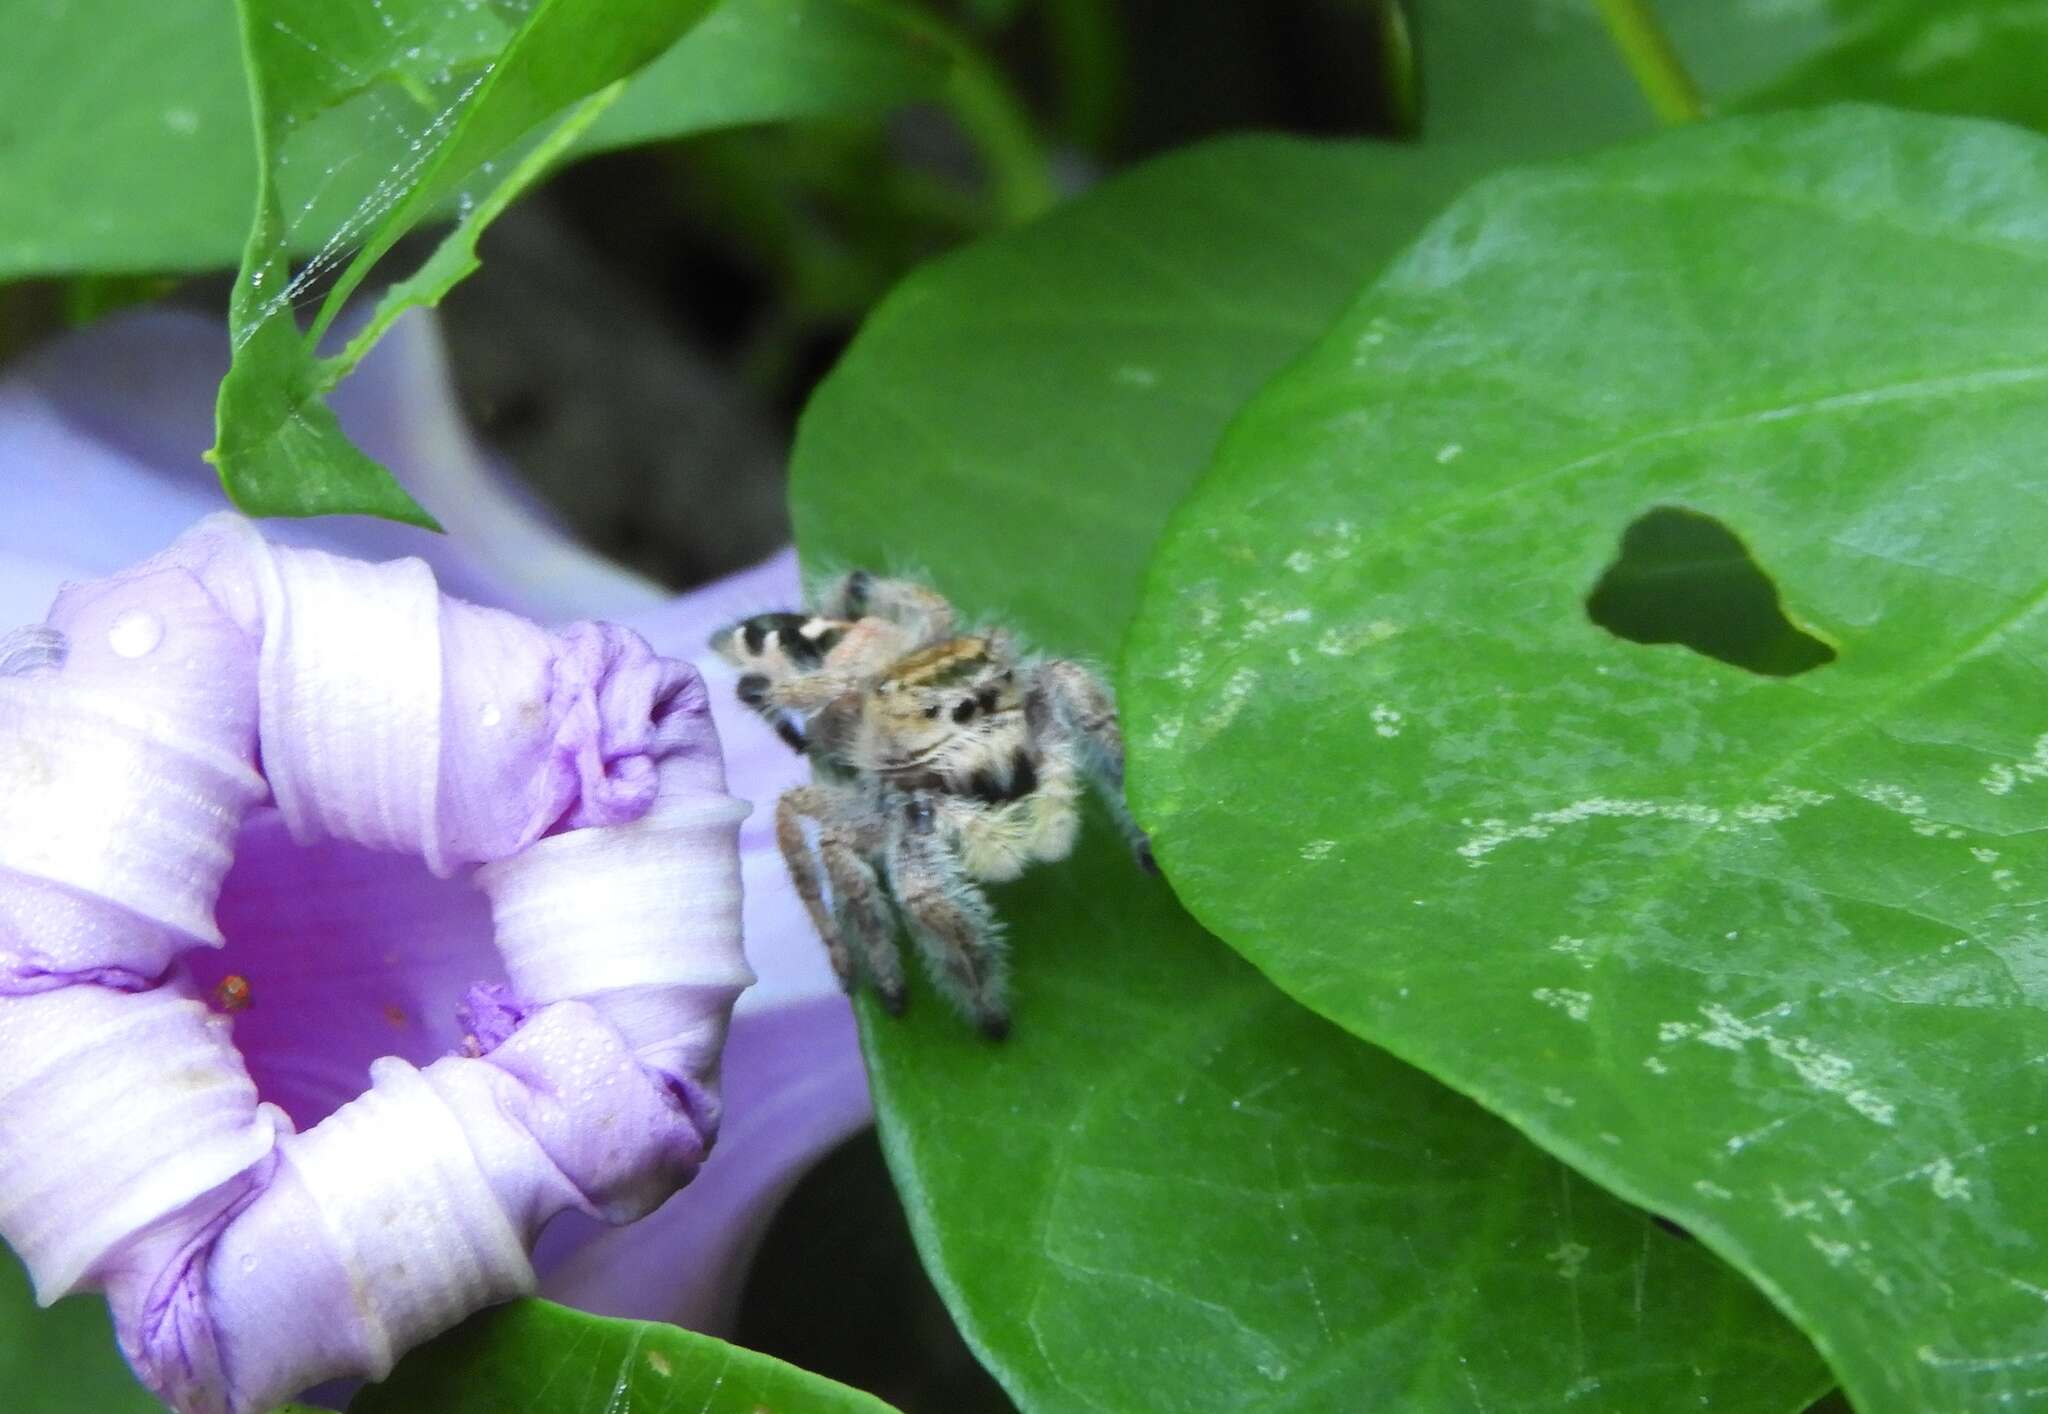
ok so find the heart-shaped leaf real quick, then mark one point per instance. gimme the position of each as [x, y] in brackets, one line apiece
[540, 1358]
[1172, 1188]
[1763, 952]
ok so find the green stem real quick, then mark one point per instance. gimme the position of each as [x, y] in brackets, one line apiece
[993, 117]
[1088, 48]
[996, 121]
[1656, 65]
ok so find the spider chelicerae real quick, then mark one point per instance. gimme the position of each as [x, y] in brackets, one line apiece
[940, 761]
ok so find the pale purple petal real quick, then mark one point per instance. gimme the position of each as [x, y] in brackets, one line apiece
[794, 1089]
[138, 1157]
[118, 1108]
[352, 953]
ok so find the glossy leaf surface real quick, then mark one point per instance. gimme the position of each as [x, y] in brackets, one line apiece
[1761, 952]
[126, 143]
[540, 1358]
[762, 61]
[1978, 58]
[1172, 1188]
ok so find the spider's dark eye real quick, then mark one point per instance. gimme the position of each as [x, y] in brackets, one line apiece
[932, 711]
[964, 709]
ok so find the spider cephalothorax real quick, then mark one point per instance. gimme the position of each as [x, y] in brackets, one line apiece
[940, 761]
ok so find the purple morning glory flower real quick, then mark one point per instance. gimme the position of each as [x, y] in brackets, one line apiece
[345, 910]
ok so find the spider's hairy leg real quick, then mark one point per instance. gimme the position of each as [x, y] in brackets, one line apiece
[863, 913]
[796, 806]
[950, 918]
[777, 654]
[1069, 702]
[752, 691]
[787, 706]
[922, 612]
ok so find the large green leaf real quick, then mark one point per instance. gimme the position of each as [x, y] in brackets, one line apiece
[539, 1358]
[61, 1360]
[126, 144]
[1172, 1188]
[1764, 953]
[124, 137]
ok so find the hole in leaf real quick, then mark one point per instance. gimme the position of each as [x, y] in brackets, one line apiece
[1684, 577]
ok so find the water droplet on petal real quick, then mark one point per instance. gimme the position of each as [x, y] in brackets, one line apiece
[135, 634]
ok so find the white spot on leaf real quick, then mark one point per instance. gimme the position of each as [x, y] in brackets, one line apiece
[1947, 1184]
[1230, 700]
[1573, 1003]
[1836, 1252]
[2001, 779]
[1817, 1068]
[1490, 834]
[1570, 1258]
[1802, 1209]
[1892, 797]
[1343, 642]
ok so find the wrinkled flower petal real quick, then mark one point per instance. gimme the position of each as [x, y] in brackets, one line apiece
[579, 769]
[353, 953]
[794, 1089]
[780, 942]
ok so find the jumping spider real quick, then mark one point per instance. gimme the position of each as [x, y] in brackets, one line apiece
[940, 761]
